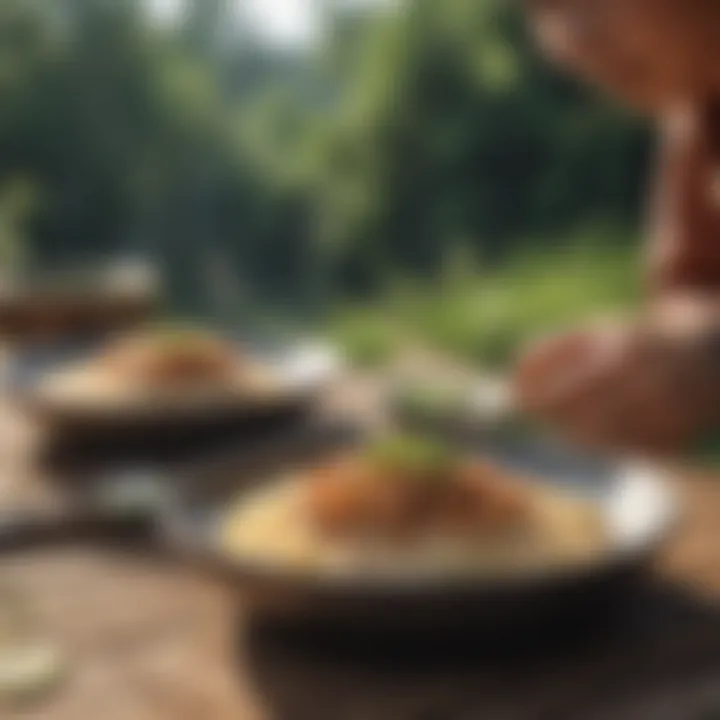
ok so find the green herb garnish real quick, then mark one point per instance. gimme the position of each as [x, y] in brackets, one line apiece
[433, 400]
[413, 457]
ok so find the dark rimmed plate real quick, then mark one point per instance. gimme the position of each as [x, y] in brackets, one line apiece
[303, 371]
[637, 502]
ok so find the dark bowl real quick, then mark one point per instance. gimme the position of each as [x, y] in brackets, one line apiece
[69, 428]
[638, 504]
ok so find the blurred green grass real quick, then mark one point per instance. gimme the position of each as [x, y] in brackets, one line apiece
[484, 318]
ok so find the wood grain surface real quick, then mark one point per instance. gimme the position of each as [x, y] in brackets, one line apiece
[147, 638]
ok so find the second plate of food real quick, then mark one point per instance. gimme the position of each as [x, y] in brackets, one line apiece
[164, 393]
[401, 531]
[166, 374]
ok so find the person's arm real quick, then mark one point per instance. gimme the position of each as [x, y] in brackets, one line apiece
[684, 252]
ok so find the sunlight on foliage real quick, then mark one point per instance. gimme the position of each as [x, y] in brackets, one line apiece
[485, 319]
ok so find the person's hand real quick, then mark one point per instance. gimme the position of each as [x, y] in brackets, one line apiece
[650, 385]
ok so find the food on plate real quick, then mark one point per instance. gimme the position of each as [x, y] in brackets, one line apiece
[404, 505]
[171, 364]
[170, 358]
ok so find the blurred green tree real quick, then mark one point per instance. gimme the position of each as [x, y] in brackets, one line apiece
[452, 127]
[308, 173]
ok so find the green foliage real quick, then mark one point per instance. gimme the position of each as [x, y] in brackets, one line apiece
[486, 319]
[453, 128]
[18, 200]
[366, 337]
[314, 176]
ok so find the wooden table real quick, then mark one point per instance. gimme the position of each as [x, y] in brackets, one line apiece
[145, 638]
